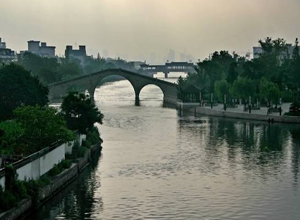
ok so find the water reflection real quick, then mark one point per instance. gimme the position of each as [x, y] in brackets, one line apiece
[256, 146]
[78, 200]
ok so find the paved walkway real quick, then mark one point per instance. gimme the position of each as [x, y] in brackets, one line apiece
[240, 108]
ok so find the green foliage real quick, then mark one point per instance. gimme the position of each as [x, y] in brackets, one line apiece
[69, 69]
[269, 90]
[19, 88]
[232, 72]
[42, 67]
[10, 139]
[274, 73]
[93, 136]
[15, 190]
[222, 88]
[243, 88]
[42, 127]
[80, 112]
[7, 200]
[77, 152]
[95, 65]
[58, 168]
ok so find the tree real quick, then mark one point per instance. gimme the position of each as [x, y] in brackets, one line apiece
[222, 88]
[80, 112]
[42, 127]
[17, 88]
[243, 88]
[42, 67]
[69, 69]
[232, 73]
[295, 70]
[269, 90]
[10, 140]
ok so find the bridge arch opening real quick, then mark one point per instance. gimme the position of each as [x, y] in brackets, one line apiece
[151, 95]
[114, 90]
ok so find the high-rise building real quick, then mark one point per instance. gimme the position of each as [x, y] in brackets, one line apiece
[41, 49]
[171, 55]
[79, 54]
[6, 55]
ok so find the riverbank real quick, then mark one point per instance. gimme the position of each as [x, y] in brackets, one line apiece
[238, 113]
[27, 206]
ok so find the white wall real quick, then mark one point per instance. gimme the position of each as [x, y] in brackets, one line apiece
[53, 157]
[2, 182]
[42, 165]
[69, 147]
[82, 137]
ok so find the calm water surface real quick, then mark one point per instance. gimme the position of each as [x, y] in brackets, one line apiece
[158, 165]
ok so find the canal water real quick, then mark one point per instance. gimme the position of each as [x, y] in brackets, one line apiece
[158, 165]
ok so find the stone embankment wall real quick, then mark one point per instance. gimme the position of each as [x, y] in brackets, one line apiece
[58, 183]
[39, 163]
[258, 117]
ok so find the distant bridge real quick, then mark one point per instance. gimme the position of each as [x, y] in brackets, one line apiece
[89, 83]
[167, 68]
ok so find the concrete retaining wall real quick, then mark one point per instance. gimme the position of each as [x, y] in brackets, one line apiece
[58, 183]
[258, 117]
[39, 163]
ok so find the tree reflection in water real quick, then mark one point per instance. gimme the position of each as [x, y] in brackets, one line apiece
[255, 146]
[78, 200]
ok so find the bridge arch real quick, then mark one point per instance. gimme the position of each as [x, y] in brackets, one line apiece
[152, 89]
[91, 81]
[101, 79]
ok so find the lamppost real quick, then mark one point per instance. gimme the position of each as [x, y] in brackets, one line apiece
[249, 104]
[225, 102]
[200, 99]
[211, 100]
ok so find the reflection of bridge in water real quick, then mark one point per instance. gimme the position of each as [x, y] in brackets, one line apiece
[90, 82]
[184, 67]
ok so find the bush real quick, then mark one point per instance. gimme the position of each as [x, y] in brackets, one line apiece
[66, 164]
[7, 200]
[287, 96]
[58, 168]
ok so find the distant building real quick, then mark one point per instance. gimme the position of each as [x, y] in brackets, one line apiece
[41, 49]
[182, 57]
[79, 54]
[6, 55]
[287, 54]
[136, 64]
[171, 55]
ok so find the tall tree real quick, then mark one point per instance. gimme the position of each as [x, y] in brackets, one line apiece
[42, 67]
[19, 88]
[80, 112]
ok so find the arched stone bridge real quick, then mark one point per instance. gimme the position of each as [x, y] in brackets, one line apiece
[90, 82]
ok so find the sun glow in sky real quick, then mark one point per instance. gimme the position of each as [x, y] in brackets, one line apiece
[135, 29]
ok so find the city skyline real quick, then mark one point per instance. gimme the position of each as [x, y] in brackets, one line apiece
[139, 30]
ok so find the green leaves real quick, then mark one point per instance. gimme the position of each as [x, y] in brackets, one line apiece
[42, 127]
[17, 88]
[222, 88]
[269, 90]
[243, 88]
[80, 113]
[10, 140]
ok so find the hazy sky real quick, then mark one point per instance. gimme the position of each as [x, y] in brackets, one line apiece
[138, 28]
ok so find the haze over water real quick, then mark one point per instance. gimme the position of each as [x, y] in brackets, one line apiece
[158, 165]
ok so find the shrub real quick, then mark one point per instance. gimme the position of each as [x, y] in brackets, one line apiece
[58, 168]
[7, 200]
